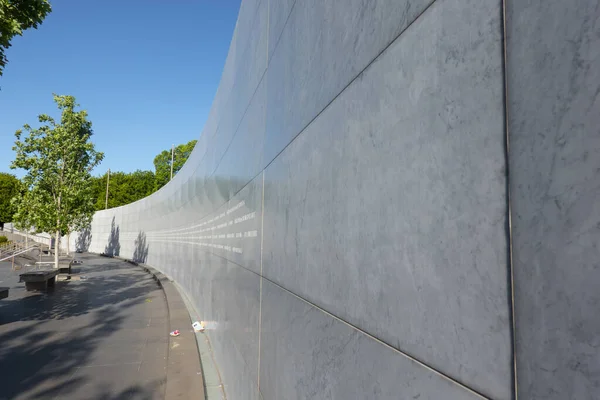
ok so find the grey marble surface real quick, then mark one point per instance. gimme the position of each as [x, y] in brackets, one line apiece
[324, 45]
[243, 159]
[233, 326]
[383, 207]
[279, 12]
[244, 211]
[553, 77]
[307, 354]
[395, 222]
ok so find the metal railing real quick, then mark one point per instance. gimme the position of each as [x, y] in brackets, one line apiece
[16, 249]
[42, 238]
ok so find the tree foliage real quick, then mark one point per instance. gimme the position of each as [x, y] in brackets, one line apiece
[123, 188]
[10, 187]
[162, 163]
[57, 158]
[17, 16]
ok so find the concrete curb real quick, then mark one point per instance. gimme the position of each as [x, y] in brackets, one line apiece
[184, 372]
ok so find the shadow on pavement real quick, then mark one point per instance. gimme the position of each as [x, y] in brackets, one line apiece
[137, 392]
[77, 299]
[45, 339]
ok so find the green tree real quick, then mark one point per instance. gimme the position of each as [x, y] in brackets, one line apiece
[162, 163]
[57, 158]
[141, 184]
[17, 16]
[123, 188]
[10, 187]
[98, 187]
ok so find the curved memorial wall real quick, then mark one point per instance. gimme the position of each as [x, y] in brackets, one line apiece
[391, 199]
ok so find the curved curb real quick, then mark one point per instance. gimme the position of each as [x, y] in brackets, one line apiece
[184, 373]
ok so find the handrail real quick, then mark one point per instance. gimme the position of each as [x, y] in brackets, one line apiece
[15, 252]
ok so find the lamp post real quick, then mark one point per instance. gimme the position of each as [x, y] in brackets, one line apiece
[172, 156]
[107, 179]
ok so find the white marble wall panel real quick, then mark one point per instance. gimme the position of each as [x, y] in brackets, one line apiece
[279, 12]
[553, 78]
[307, 354]
[402, 213]
[370, 258]
[233, 326]
[243, 159]
[325, 44]
[237, 224]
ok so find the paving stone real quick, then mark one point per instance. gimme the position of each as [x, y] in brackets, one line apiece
[87, 339]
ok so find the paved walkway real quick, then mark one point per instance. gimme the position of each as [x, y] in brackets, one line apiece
[103, 337]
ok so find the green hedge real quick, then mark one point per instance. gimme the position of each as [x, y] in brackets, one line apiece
[3, 239]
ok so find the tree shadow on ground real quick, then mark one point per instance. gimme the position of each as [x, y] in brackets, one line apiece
[149, 391]
[26, 261]
[42, 352]
[84, 240]
[140, 253]
[113, 248]
[70, 299]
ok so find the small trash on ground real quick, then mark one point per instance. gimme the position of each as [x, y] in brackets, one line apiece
[175, 333]
[198, 326]
[148, 300]
[82, 277]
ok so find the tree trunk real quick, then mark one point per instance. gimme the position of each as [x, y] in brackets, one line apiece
[68, 240]
[56, 244]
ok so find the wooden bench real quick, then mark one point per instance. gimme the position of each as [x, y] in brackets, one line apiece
[3, 292]
[40, 279]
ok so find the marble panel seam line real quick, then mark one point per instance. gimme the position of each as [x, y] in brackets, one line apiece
[362, 71]
[257, 10]
[280, 33]
[253, 93]
[243, 115]
[262, 235]
[509, 236]
[268, 29]
[240, 122]
[192, 308]
[387, 345]
[189, 228]
[380, 341]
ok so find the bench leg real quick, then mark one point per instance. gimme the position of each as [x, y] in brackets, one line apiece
[30, 286]
[51, 281]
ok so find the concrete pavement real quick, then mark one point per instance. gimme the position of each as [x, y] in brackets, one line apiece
[102, 337]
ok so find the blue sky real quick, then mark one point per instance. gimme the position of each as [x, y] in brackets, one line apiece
[145, 70]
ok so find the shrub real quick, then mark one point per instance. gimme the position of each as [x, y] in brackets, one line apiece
[3, 239]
